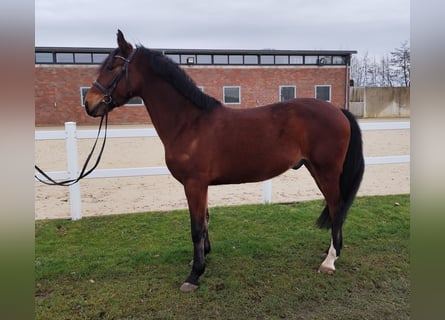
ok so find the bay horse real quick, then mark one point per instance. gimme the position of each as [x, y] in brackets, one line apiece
[207, 143]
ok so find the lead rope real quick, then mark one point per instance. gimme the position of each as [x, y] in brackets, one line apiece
[84, 172]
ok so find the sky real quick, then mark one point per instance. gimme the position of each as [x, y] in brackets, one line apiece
[375, 27]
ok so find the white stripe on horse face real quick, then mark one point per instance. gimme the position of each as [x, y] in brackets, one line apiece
[328, 263]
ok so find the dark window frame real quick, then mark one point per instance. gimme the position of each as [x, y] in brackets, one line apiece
[225, 100]
[322, 95]
[287, 86]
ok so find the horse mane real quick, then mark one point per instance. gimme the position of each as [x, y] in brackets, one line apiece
[168, 70]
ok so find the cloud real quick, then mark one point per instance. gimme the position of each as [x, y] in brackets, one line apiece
[285, 24]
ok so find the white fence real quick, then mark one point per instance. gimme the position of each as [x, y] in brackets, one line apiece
[71, 134]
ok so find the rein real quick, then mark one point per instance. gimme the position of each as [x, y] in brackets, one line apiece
[110, 104]
[84, 172]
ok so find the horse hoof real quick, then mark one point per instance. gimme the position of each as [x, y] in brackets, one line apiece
[188, 287]
[326, 270]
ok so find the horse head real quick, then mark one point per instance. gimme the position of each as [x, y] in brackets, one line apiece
[112, 87]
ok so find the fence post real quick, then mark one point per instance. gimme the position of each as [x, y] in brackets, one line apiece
[73, 170]
[267, 191]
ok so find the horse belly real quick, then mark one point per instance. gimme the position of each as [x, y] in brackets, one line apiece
[240, 166]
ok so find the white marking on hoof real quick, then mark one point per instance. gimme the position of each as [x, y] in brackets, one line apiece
[327, 266]
[327, 270]
[188, 287]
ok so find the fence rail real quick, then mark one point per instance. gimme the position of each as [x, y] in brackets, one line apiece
[71, 135]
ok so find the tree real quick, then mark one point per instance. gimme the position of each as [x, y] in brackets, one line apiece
[386, 72]
[401, 64]
[391, 71]
[360, 70]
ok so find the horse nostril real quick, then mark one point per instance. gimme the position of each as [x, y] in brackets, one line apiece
[88, 111]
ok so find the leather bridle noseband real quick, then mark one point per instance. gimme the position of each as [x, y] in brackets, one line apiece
[109, 89]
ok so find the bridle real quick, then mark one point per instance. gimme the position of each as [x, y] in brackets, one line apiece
[109, 104]
[109, 89]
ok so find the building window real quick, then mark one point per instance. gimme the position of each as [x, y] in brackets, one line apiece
[338, 60]
[203, 59]
[83, 93]
[311, 60]
[281, 59]
[99, 57]
[83, 58]
[220, 59]
[188, 59]
[44, 57]
[250, 59]
[62, 57]
[136, 101]
[296, 59]
[267, 59]
[288, 93]
[323, 92]
[235, 59]
[232, 95]
[325, 60]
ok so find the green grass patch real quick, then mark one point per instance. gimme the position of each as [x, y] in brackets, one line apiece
[262, 266]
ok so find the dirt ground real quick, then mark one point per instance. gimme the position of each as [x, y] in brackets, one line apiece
[152, 193]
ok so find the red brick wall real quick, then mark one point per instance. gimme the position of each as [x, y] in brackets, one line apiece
[57, 98]
[260, 85]
[57, 89]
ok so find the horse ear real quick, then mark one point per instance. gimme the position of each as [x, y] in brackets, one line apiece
[124, 46]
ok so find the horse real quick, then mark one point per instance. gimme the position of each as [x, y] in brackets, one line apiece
[207, 143]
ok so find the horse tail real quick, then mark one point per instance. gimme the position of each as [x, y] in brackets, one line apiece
[351, 176]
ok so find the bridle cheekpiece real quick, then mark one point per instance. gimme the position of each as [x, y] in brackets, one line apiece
[109, 89]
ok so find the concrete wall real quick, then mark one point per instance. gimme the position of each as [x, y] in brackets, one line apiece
[379, 102]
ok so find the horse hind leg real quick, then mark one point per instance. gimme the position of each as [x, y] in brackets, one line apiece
[335, 210]
[327, 266]
[333, 215]
[333, 252]
[339, 185]
[339, 193]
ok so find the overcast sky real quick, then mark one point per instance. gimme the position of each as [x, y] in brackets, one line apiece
[373, 26]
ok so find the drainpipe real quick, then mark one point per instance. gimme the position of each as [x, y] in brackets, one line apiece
[348, 63]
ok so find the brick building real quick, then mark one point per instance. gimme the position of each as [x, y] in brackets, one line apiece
[238, 78]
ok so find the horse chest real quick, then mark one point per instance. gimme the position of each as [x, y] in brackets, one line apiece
[185, 163]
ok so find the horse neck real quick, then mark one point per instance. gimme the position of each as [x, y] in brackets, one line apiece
[169, 111]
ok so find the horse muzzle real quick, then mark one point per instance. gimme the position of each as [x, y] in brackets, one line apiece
[97, 111]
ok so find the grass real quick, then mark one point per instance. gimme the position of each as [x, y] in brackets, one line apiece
[262, 265]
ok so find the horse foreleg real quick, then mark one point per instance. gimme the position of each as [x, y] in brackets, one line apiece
[196, 194]
[207, 247]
